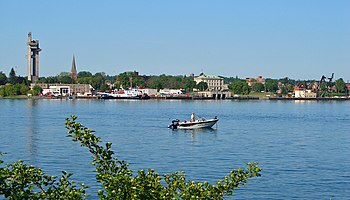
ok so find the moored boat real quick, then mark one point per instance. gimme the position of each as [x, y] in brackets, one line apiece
[131, 93]
[199, 123]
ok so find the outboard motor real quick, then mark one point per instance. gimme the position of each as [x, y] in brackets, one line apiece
[174, 124]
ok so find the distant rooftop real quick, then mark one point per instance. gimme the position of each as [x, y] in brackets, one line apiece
[202, 75]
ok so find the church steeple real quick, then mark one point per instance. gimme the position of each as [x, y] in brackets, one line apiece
[73, 72]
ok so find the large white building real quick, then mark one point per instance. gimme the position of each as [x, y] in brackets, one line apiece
[215, 83]
[302, 93]
[64, 89]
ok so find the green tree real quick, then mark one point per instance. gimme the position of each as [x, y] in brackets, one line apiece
[12, 77]
[2, 91]
[42, 80]
[12, 73]
[127, 78]
[172, 82]
[271, 85]
[104, 87]
[202, 86]
[138, 81]
[258, 87]
[284, 90]
[3, 78]
[188, 83]
[36, 90]
[52, 79]
[65, 78]
[340, 85]
[290, 87]
[20, 181]
[6, 90]
[228, 80]
[24, 89]
[98, 80]
[124, 79]
[49, 79]
[285, 81]
[323, 86]
[83, 74]
[240, 87]
[156, 83]
[85, 80]
[16, 89]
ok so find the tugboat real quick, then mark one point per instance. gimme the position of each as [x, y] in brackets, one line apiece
[131, 93]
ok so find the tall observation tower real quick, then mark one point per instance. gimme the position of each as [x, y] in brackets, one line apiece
[33, 58]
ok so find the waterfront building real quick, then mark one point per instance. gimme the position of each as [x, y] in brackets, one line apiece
[215, 83]
[64, 89]
[347, 88]
[170, 91]
[33, 58]
[215, 94]
[303, 93]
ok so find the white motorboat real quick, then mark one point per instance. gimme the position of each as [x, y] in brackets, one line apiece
[199, 123]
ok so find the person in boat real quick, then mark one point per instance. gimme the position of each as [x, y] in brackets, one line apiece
[193, 118]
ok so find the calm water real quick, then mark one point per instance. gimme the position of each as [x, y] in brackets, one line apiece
[303, 147]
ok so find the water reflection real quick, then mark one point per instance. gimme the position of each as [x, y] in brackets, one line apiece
[32, 129]
[196, 132]
[72, 101]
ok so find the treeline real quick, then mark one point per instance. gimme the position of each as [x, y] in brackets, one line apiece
[102, 82]
[133, 79]
[13, 85]
[12, 79]
[285, 85]
[240, 86]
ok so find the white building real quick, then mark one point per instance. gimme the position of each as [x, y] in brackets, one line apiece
[302, 93]
[215, 83]
[57, 90]
[170, 92]
[64, 89]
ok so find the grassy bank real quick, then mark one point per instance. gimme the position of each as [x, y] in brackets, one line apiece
[260, 94]
[15, 97]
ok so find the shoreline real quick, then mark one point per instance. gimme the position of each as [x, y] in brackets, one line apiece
[195, 98]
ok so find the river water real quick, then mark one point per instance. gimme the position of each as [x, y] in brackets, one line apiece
[302, 147]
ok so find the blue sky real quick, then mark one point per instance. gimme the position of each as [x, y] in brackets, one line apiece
[301, 39]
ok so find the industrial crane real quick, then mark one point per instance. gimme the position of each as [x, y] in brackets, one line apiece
[328, 85]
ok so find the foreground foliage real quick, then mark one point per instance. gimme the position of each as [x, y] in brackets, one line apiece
[20, 181]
